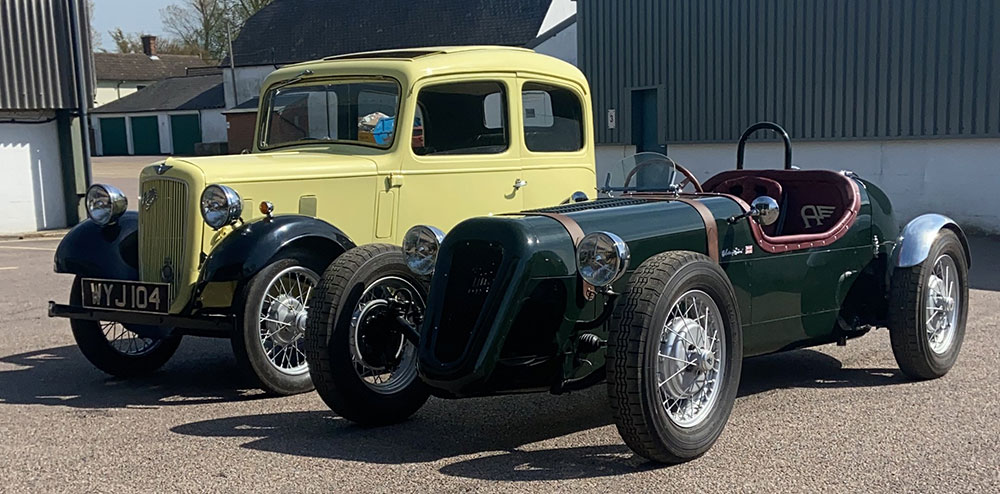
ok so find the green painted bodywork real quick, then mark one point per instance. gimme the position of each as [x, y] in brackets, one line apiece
[786, 300]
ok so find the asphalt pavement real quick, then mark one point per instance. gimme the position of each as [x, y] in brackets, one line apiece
[812, 420]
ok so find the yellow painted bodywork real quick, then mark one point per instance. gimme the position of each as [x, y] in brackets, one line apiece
[376, 195]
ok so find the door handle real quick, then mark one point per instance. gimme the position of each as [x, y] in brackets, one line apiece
[519, 183]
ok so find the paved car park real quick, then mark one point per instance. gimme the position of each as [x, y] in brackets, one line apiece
[824, 418]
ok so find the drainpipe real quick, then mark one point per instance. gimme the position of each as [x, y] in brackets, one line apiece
[232, 63]
[81, 87]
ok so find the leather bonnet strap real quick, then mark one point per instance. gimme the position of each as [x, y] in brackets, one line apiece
[711, 227]
[575, 233]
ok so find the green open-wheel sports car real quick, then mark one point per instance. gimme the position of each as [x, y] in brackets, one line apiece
[657, 292]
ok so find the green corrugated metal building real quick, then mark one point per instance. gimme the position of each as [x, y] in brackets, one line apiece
[905, 92]
[825, 69]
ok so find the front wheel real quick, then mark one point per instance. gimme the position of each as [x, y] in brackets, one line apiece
[363, 365]
[115, 349]
[271, 323]
[929, 304]
[675, 352]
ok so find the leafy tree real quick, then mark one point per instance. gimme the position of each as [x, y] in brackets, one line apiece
[241, 10]
[205, 24]
[132, 43]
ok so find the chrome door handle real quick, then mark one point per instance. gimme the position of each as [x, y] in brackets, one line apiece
[519, 183]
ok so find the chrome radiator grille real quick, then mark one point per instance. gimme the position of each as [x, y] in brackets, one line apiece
[163, 205]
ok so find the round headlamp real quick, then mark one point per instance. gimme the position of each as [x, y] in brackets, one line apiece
[220, 206]
[105, 204]
[420, 248]
[602, 258]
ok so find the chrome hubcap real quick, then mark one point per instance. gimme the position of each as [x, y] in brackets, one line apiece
[942, 304]
[126, 342]
[383, 358]
[689, 362]
[282, 319]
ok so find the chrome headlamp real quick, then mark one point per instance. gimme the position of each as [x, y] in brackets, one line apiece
[420, 248]
[602, 258]
[105, 204]
[220, 206]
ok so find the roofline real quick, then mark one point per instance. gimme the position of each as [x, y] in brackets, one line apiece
[551, 33]
[428, 51]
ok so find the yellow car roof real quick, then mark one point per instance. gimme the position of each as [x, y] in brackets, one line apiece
[411, 64]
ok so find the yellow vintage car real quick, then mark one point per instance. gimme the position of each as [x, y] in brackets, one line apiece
[349, 150]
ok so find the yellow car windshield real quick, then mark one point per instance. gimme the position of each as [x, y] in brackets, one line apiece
[351, 112]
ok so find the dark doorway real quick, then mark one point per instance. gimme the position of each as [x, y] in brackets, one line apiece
[645, 122]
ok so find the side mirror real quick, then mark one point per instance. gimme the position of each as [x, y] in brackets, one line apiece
[765, 210]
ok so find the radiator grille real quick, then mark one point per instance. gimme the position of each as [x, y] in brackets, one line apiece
[472, 274]
[161, 233]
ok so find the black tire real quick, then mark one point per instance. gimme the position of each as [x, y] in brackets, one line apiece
[328, 338]
[908, 306]
[250, 352]
[93, 343]
[634, 344]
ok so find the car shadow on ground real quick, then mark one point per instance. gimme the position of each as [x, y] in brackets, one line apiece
[985, 251]
[499, 427]
[200, 372]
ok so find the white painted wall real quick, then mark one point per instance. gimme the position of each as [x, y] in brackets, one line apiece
[559, 10]
[955, 177]
[31, 194]
[166, 138]
[248, 82]
[213, 126]
[108, 91]
[562, 46]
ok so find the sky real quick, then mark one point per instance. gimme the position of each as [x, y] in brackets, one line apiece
[141, 16]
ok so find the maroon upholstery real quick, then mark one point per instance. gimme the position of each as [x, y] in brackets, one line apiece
[817, 206]
[749, 188]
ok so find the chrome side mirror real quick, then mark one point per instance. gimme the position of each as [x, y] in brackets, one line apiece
[765, 210]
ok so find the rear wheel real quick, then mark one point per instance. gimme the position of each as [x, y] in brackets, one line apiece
[272, 318]
[675, 354]
[363, 366]
[116, 350]
[929, 306]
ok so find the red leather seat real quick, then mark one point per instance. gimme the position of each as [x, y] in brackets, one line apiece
[817, 206]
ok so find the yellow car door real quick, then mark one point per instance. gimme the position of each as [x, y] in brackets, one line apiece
[462, 161]
[555, 134]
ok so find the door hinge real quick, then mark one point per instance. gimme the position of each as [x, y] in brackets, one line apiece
[394, 180]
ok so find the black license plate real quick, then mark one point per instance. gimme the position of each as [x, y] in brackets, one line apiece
[125, 295]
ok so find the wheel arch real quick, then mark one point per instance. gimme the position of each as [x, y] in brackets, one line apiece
[914, 242]
[96, 251]
[244, 252]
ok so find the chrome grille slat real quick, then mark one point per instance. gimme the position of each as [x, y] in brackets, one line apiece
[161, 233]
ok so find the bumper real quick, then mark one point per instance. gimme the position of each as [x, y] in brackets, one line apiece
[219, 326]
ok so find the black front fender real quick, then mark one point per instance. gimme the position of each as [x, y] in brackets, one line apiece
[247, 250]
[96, 251]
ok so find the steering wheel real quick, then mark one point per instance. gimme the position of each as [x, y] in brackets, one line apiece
[689, 177]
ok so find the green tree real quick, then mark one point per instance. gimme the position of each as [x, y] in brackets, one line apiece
[132, 43]
[205, 23]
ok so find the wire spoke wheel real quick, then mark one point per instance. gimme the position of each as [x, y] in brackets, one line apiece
[381, 355]
[941, 305]
[125, 341]
[282, 316]
[689, 362]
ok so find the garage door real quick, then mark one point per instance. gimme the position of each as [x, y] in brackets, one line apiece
[185, 130]
[145, 135]
[113, 138]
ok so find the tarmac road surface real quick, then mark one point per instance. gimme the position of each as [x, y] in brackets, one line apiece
[810, 420]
